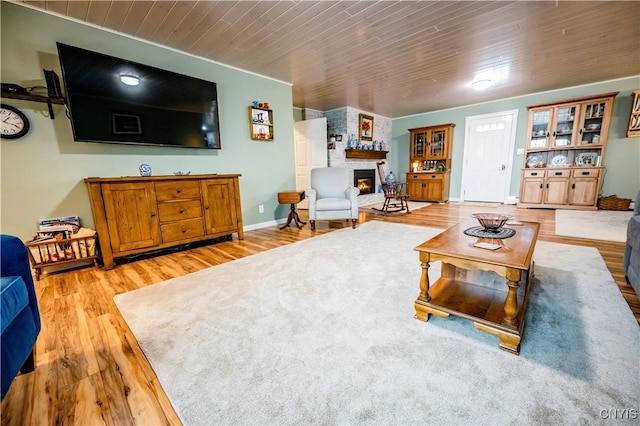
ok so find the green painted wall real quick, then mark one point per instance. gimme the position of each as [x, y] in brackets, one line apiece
[622, 157]
[42, 173]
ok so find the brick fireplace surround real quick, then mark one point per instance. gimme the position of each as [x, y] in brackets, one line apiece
[344, 121]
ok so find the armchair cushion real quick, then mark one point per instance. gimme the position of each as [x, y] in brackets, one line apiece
[13, 294]
[333, 204]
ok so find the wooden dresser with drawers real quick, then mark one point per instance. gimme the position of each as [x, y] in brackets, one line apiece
[135, 215]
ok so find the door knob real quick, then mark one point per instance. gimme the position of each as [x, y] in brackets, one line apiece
[503, 167]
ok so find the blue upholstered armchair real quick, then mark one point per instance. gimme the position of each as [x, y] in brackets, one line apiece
[332, 195]
[19, 317]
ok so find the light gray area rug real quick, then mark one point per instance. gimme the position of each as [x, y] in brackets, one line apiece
[322, 332]
[607, 225]
[413, 205]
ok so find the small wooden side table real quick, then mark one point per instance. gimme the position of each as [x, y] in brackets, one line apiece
[293, 198]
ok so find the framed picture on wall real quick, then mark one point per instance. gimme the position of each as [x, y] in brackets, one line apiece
[365, 127]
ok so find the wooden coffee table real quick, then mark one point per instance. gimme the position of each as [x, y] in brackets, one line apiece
[488, 287]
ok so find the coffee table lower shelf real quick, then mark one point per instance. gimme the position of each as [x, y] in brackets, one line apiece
[477, 302]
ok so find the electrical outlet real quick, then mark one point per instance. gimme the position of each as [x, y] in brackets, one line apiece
[520, 151]
[261, 208]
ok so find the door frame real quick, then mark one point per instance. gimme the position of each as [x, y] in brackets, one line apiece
[315, 151]
[512, 143]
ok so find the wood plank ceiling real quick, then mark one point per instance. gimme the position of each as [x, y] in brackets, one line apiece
[392, 58]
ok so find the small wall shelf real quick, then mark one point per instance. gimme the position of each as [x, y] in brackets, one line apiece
[261, 123]
[366, 154]
[35, 98]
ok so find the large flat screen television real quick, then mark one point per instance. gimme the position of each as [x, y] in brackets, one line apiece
[113, 100]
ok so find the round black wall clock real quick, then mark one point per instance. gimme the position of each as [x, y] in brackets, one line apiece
[13, 123]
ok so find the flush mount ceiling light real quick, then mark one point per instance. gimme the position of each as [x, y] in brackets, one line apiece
[481, 84]
[129, 79]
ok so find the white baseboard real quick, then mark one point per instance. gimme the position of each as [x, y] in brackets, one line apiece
[510, 200]
[264, 224]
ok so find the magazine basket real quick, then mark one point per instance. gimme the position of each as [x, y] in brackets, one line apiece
[613, 202]
[52, 252]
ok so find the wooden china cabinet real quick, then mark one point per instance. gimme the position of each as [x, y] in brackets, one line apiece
[565, 149]
[430, 163]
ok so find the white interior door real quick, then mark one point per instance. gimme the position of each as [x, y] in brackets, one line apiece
[310, 138]
[488, 156]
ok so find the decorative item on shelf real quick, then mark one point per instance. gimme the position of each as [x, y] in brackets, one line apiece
[559, 160]
[586, 159]
[145, 169]
[338, 138]
[187, 173]
[365, 127]
[376, 147]
[351, 141]
[257, 104]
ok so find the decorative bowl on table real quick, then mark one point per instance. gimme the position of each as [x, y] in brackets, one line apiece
[492, 222]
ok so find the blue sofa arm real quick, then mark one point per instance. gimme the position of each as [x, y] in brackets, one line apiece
[20, 316]
[631, 260]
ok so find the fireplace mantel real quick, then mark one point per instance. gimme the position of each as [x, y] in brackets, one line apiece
[366, 154]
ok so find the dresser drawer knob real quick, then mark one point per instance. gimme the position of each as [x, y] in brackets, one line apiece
[184, 230]
[179, 190]
[181, 211]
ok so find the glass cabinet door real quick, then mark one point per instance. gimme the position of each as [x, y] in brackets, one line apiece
[563, 134]
[593, 118]
[437, 144]
[420, 145]
[540, 124]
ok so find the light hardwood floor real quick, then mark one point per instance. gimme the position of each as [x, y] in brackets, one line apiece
[89, 368]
